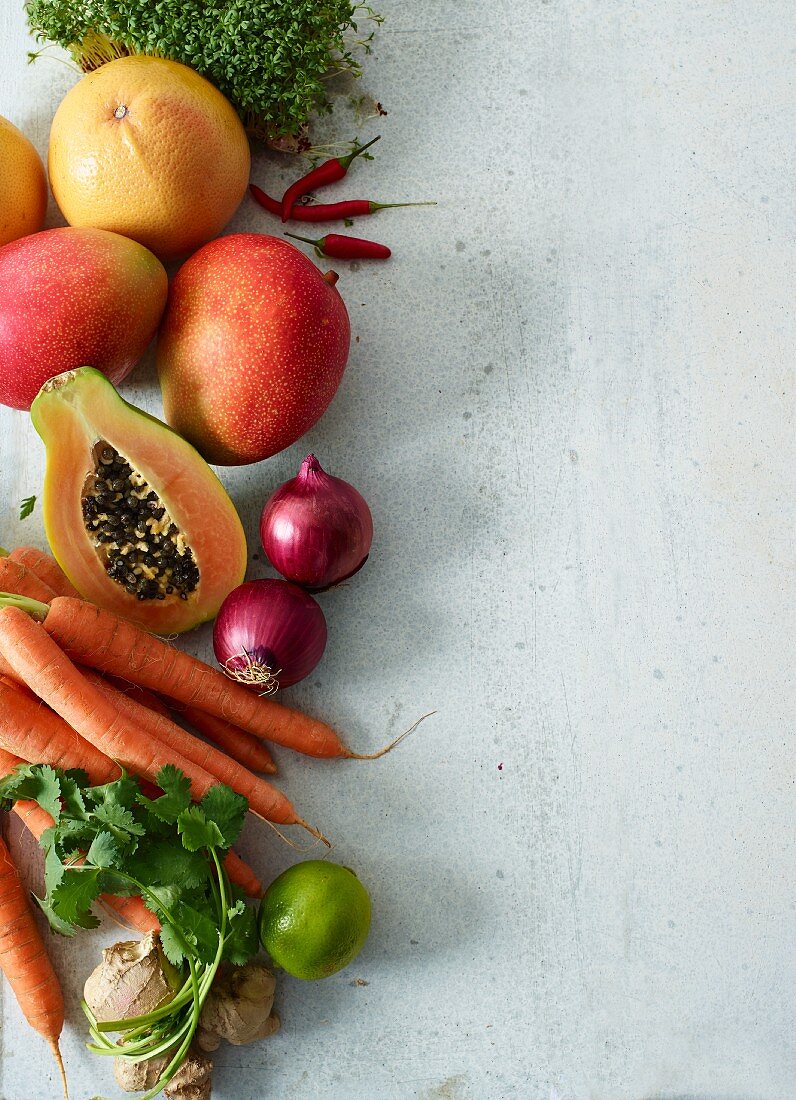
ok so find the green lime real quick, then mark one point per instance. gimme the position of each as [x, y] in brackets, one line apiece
[314, 919]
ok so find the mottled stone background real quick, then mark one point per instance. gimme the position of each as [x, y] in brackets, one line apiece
[570, 404]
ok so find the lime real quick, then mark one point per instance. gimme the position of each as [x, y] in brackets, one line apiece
[314, 919]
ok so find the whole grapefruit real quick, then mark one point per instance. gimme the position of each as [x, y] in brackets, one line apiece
[70, 297]
[150, 149]
[252, 348]
[23, 185]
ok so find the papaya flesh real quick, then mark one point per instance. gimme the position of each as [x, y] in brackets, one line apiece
[134, 515]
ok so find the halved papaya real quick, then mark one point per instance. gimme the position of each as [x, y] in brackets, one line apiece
[136, 518]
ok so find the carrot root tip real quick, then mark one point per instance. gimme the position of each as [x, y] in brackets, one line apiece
[54, 1047]
[350, 755]
[319, 837]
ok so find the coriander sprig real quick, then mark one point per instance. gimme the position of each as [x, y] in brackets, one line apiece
[114, 839]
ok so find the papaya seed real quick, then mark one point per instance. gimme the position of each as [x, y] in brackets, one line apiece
[141, 548]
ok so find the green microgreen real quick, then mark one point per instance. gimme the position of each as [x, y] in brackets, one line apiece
[272, 59]
[114, 839]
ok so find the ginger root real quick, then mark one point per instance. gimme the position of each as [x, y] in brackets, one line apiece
[238, 1008]
[191, 1081]
[133, 978]
[138, 1076]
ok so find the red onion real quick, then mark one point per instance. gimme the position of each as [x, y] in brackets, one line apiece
[269, 634]
[316, 529]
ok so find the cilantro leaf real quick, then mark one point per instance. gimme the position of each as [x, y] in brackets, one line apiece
[201, 930]
[26, 507]
[227, 809]
[54, 869]
[176, 797]
[72, 834]
[37, 782]
[71, 899]
[62, 927]
[242, 942]
[71, 794]
[104, 851]
[167, 863]
[118, 818]
[45, 789]
[122, 792]
[175, 946]
[164, 897]
[118, 884]
[197, 832]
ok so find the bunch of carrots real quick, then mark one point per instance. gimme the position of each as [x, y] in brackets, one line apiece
[82, 688]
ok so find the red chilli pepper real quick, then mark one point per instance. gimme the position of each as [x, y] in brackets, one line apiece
[329, 172]
[346, 248]
[327, 212]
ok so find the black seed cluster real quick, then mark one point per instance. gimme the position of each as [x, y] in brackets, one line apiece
[129, 526]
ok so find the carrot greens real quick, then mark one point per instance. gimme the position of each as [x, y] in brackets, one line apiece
[114, 839]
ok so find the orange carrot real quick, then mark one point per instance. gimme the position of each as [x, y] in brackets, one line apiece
[36, 820]
[242, 875]
[25, 963]
[32, 731]
[7, 673]
[46, 569]
[38, 662]
[146, 698]
[15, 577]
[240, 745]
[265, 800]
[92, 636]
[36, 659]
[131, 911]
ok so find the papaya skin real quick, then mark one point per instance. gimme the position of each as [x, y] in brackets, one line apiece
[72, 413]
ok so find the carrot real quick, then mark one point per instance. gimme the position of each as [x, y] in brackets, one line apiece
[7, 673]
[36, 659]
[140, 695]
[25, 963]
[32, 731]
[46, 569]
[240, 745]
[36, 820]
[265, 800]
[242, 875]
[98, 638]
[38, 662]
[17, 578]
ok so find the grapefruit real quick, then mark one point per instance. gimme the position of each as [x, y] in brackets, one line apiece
[23, 185]
[150, 149]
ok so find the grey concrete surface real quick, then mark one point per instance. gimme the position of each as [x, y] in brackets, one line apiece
[570, 404]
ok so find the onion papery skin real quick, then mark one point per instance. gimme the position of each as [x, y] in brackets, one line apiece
[316, 529]
[269, 634]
